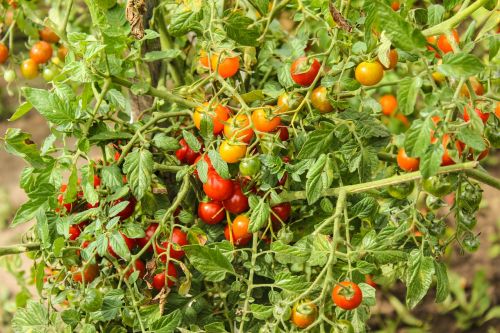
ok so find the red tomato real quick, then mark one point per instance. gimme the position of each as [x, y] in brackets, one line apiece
[74, 232]
[97, 181]
[239, 128]
[138, 266]
[369, 281]
[4, 53]
[283, 133]
[407, 163]
[48, 35]
[484, 116]
[238, 202]
[170, 275]
[319, 99]
[217, 113]
[211, 212]
[263, 121]
[178, 239]
[60, 199]
[90, 272]
[149, 232]
[128, 210]
[281, 214]
[446, 159]
[477, 87]
[239, 231]
[445, 45]
[304, 71]
[217, 188]
[395, 5]
[41, 52]
[369, 73]
[185, 154]
[228, 66]
[497, 110]
[304, 313]
[347, 295]
[130, 242]
[389, 104]
[29, 69]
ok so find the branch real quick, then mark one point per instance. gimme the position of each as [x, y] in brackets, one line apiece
[19, 248]
[483, 177]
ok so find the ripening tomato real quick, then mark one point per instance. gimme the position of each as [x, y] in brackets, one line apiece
[41, 52]
[393, 59]
[249, 166]
[395, 5]
[218, 115]
[74, 232]
[319, 100]
[138, 266]
[149, 232]
[90, 272]
[29, 69]
[238, 127]
[4, 53]
[283, 133]
[402, 118]
[185, 154]
[484, 116]
[389, 104]
[211, 212]
[263, 121]
[497, 110]
[304, 70]
[369, 281]
[304, 313]
[369, 73]
[445, 45]
[62, 52]
[438, 77]
[477, 87]
[170, 275]
[217, 188]
[232, 152]
[347, 295]
[407, 163]
[238, 202]
[432, 40]
[227, 67]
[178, 239]
[204, 59]
[130, 242]
[447, 159]
[48, 35]
[240, 234]
[129, 208]
[288, 101]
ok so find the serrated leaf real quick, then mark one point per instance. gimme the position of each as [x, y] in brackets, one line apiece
[261, 312]
[117, 243]
[219, 164]
[418, 138]
[366, 207]
[408, 91]
[314, 182]
[460, 65]
[191, 140]
[165, 142]
[443, 285]
[168, 323]
[138, 167]
[318, 142]
[241, 29]
[259, 216]
[419, 277]
[185, 21]
[20, 144]
[209, 262]
[288, 254]
[431, 160]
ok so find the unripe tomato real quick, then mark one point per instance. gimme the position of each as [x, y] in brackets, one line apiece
[211, 212]
[9, 75]
[342, 326]
[149, 232]
[369, 73]
[4, 53]
[263, 121]
[217, 188]
[484, 116]
[217, 113]
[304, 313]
[62, 52]
[395, 5]
[393, 59]
[74, 232]
[128, 210]
[304, 71]
[29, 69]
[170, 275]
[445, 45]
[185, 154]
[389, 104]
[130, 242]
[288, 101]
[48, 74]
[407, 163]
[319, 100]
[48, 35]
[466, 219]
[470, 242]
[347, 295]
[41, 52]
[228, 66]
[438, 77]
[476, 86]
[232, 152]
[238, 202]
[90, 272]
[240, 234]
[178, 239]
[401, 191]
[280, 213]
[249, 166]
[138, 266]
[438, 185]
[239, 128]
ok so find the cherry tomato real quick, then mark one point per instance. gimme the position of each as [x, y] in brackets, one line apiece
[41, 52]
[470, 242]
[263, 121]
[130, 242]
[304, 313]
[469, 197]
[29, 69]
[447, 159]
[48, 35]
[62, 52]
[493, 135]
[211, 212]
[343, 326]
[4, 53]
[204, 59]
[149, 232]
[432, 40]
[288, 101]
[48, 74]
[138, 266]
[438, 185]
[283, 133]
[466, 219]
[239, 128]
[128, 210]
[401, 191]
[369, 73]
[90, 272]
[74, 232]
[395, 5]
[319, 100]
[170, 275]
[240, 234]
[393, 59]
[232, 152]
[484, 116]
[369, 281]
[402, 118]
[217, 188]
[9, 75]
[280, 213]
[217, 113]
[407, 163]
[439, 77]
[497, 110]
[238, 202]
[477, 87]
[178, 239]
[185, 154]
[249, 166]
[347, 295]
[304, 71]
[445, 45]
[228, 66]
[389, 104]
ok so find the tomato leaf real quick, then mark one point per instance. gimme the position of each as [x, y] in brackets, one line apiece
[288, 254]
[261, 312]
[408, 91]
[211, 263]
[219, 164]
[431, 160]
[314, 184]
[260, 215]
[460, 65]
[443, 285]
[420, 271]
[435, 14]
[165, 142]
[162, 55]
[191, 140]
[471, 138]
[138, 167]
[184, 21]
[418, 138]
[117, 243]
[168, 323]
[241, 29]
[318, 142]
[20, 144]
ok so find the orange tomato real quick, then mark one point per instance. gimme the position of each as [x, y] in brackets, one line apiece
[369, 73]
[29, 69]
[227, 67]
[239, 128]
[204, 59]
[41, 52]
[319, 100]
[407, 163]
[48, 35]
[62, 52]
[395, 5]
[4, 53]
[476, 86]
[445, 45]
[263, 121]
[217, 113]
[389, 104]
[239, 234]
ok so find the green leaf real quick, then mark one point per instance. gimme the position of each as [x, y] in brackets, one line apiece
[111, 306]
[219, 164]
[435, 14]
[21, 111]
[29, 209]
[185, 21]
[294, 284]
[419, 277]
[117, 243]
[34, 318]
[408, 91]
[70, 317]
[471, 138]
[191, 140]
[111, 176]
[443, 285]
[260, 215]
[209, 262]
[241, 29]
[288, 254]
[168, 323]
[318, 142]
[20, 144]
[51, 106]
[366, 207]
[460, 65]
[450, 4]
[418, 138]
[431, 160]
[314, 184]
[215, 327]
[39, 274]
[261, 312]
[162, 55]
[138, 167]
[165, 142]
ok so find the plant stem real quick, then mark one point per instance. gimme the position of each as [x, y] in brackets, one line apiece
[19, 248]
[62, 30]
[483, 177]
[255, 240]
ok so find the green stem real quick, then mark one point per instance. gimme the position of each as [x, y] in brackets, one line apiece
[168, 168]
[19, 248]
[483, 177]
[62, 29]
[250, 281]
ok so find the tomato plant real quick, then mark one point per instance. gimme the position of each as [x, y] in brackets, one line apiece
[246, 166]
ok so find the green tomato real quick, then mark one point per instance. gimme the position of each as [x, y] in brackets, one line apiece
[342, 326]
[48, 74]
[438, 186]
[469, 197]
[434, 203]
[249, 166]
[401, 191]
[437, 228]
[493, 136]
[466, 219]
[470, 242]
[9, 75]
